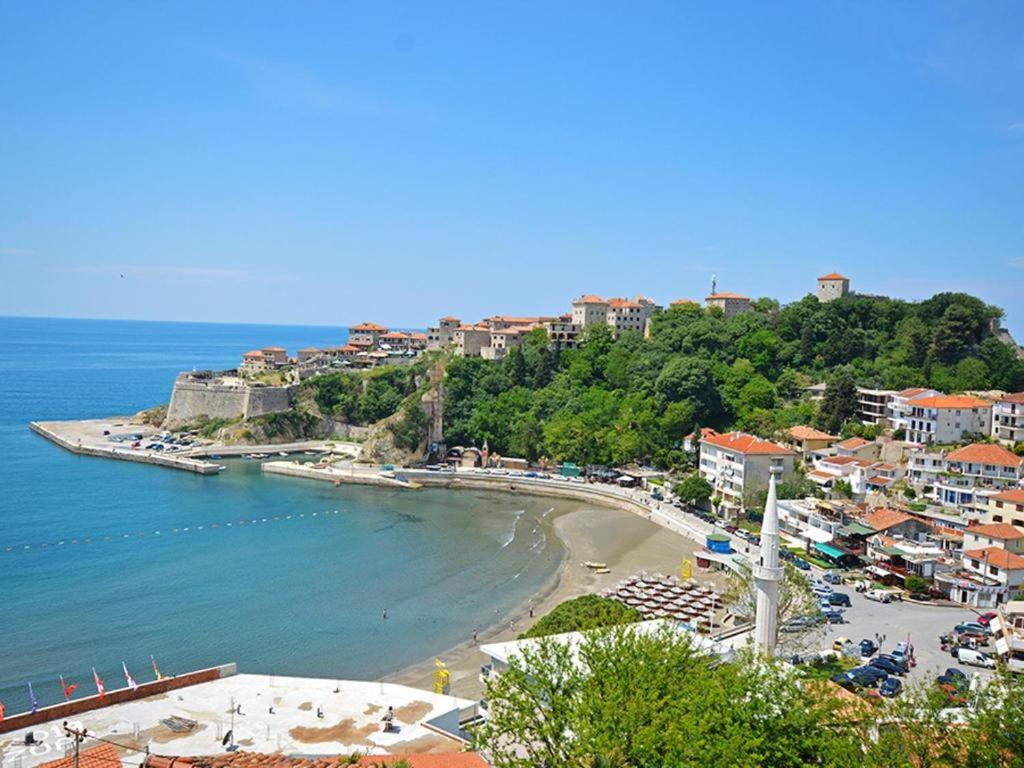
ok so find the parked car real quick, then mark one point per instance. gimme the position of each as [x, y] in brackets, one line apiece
[843, 680]
[879, 595]
[868, 647]
[840, 642]
[985, 618]
[899, 661]
[833, 577]
[800, 563]
[867, 675]
[800, 623]
[891, 687]
[891, 667]
[920, 596]
[834, 617]
[839, 598]
[972, 628]
[975, 658]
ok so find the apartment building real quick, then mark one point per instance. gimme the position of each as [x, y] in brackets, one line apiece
[924, 467]
[731, 304]
[832, 286]
[900, 405]
[443, 334]
[1008, 418]
[617, 313]
[806, 440]
[737, 464]
[858, 448]
[1005, 507]
[948, 419]
[366, 334]
[263, 360]
[563, 332]
[873, 405]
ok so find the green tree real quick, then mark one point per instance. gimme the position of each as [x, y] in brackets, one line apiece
[581, 613]
[840, 401]
[693, 490]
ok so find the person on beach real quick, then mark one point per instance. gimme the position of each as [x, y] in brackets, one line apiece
[474, 635]
[531, 610]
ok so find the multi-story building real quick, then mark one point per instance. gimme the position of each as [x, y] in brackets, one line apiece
[1001, 535]
[470, 339]
[858, 448]
[807, 440]
[1008, 634]
[832, 286]
[1005, 507]
[563, 332]
[617, 313]
[737, 464]
[731, 304]
[1008, 418]
[589, 310]
[501, 341]
[366, 332]
[873, 405]
[999, 569]
[442, 334]
[263, 360]
[948, 419]
[924, 467]
[900, 405]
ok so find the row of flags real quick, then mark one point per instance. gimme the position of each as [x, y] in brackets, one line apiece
[101, 689]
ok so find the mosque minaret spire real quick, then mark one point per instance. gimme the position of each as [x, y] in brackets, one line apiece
[768, 574]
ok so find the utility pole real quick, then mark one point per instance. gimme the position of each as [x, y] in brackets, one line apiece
[77, 735]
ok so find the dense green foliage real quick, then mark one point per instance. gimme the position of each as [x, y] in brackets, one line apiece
[624, 698]
[585, 612]
[613, 401]
[363, 398]
[693, 490]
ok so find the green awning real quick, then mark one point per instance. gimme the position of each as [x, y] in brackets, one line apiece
[829, 550]
[857, 529]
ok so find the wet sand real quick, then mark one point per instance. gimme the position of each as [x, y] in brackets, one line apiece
[626, 542]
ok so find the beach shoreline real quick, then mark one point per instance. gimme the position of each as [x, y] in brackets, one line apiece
[625, 542]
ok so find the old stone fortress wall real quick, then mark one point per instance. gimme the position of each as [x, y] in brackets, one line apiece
[209, 395]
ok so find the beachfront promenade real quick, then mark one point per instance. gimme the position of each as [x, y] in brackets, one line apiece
[631, 500]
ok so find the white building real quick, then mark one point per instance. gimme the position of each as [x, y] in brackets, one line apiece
[948, 419]
[832, 286]
[900, 405]
[1006, 507]
[617, 313]
[731, 304]
[873, 405]
[1008, 418]
[737, 464]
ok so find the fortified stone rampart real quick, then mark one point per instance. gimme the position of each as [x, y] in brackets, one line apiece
[207, 396]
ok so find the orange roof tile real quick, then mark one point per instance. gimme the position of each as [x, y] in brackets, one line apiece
[102, 756]
[833, 276]
[1015, 397]
[985, 453]
[367, 327]
[1012, 495]
[853, 443]
[277, 760]
[801, 432]
[273, 349]
[418, 336]
[883, 519]
[951, 401]
[679, 302]
[450, 319]
[998, 557]
[589, 298]
[840, 460]
[746, 444]
[880, 480]
[912, 392]
[1003, 531]
[395, 335]
[254, 353]
[727, 295]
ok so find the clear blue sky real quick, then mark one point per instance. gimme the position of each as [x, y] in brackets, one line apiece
[333, 162]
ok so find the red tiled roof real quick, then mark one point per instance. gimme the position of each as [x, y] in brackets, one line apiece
[853, 443]
[276, 760]
[360, 342]
[102, 756]
[1015, 397]
[679, 302]
[727, 295]
[367, 327]
[589, 298]
[1012, 495]
[952, 401]
[880, 480]
[998, 557]
[450, 319]
[395, 335]
[1003, 531]
[883, 519]
[309, 349]
[842, 461]
[746, 444]
[912, 392]
[985, 453]
[273, 349]
[255, 353]
[801, 432]
[622, 303]
[833, 276]
[418, 336]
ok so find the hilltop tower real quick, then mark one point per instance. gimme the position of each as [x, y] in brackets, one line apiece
[768, 574]
[832, 286]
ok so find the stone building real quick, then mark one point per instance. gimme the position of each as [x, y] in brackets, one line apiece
[832, 286]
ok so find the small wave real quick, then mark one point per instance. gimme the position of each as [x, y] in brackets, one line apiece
[515, 524]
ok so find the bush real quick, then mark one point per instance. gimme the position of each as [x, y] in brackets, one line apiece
[581, 613]
[916, 584]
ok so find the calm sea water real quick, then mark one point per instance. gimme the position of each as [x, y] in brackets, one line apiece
[301, 595]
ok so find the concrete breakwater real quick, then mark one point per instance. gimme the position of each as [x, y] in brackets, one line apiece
[86, 438]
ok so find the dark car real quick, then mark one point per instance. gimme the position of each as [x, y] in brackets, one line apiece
[920, 596]
[839, 598]
[891, 687]
[868, 647]
[891, 667]
[833, 578]
[785, 554]
[899, 661]
[800, 563]
[843, 680]
[953, 678]
[834, 617]
[954, 672]
[867, 676]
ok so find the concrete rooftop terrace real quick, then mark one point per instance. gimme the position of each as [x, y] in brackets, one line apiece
[351, 721]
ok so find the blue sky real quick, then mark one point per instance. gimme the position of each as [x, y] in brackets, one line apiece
[334, 162]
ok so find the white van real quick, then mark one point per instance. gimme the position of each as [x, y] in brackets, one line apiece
[880, 595]
[975, 658]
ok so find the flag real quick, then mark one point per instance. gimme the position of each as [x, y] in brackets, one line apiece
[33, 699]
[68, 689]
[99, 685]
[128, 677]
[156, 669]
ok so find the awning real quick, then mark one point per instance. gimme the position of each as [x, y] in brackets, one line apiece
[830, 551]
[857, 529]
[816, 534]
[877, 571]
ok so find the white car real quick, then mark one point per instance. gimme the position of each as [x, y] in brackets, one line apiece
[975, 658]
[879, 595]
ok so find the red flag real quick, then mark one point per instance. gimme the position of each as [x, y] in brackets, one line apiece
[99, 684]
[2, 708]
[68, 689]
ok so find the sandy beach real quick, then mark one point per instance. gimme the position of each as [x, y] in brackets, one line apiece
[626, 542]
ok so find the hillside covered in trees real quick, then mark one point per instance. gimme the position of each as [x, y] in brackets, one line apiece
[617, 400]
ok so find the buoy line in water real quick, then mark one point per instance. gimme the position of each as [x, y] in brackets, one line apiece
[164, 533]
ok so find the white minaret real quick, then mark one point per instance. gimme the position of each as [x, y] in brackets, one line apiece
[768, 574]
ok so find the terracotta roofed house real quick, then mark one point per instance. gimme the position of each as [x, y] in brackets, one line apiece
[832, 286]
[892, 522]
[1008, 418]
[368, 332]
[1006, 506]
[1002, 535]
[948, 419]
[737, 464]
[807, 440]
[858, 448]
[976, 471]
[900, 404]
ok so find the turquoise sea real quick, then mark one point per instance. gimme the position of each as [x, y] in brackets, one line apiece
[289, 587]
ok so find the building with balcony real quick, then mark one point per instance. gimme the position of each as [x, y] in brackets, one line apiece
[806, 440]
[368, 333]
[1005, 507]
[973, 473]
[873, 405]
[1008, 418]
[924, 467]
[900, 405]
[737, 464]
[948, 419]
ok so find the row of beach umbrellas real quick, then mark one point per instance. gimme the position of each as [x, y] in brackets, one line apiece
[658, 596]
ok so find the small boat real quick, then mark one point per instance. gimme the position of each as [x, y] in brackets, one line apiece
[215, 456]
[281, 453]
[591, 564]
[602, 570]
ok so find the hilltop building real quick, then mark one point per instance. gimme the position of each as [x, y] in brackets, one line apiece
[731, 304]
[369, 333]
[832, 286]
